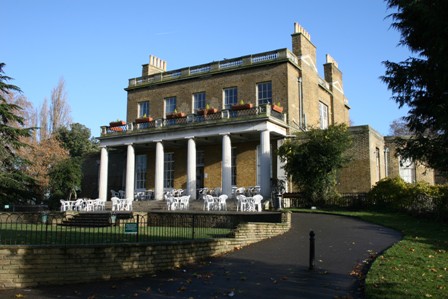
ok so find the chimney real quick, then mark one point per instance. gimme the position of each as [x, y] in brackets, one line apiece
[332, 73]
[155, 66]
[302, 46]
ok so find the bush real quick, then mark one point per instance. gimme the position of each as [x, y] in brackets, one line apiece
[388, 194]
[393, 194]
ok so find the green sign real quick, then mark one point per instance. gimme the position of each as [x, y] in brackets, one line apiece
[130, 228]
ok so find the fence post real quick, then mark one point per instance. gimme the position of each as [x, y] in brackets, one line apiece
[312, 250]
[138, 226]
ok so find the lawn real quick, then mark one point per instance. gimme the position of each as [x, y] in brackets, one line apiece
[415, 267]
[41, 234]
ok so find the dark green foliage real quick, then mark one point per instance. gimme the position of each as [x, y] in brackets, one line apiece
[14, 183]
[313, 158]
[77, 140]
[421, 83]
[422, 199]
[65, 179]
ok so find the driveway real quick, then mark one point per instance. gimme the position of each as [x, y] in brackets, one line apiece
[274, 268]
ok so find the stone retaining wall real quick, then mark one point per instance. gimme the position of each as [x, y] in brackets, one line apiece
[29, 266]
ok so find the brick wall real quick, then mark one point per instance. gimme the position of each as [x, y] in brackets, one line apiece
[30, 266]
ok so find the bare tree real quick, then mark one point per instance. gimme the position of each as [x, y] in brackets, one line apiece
[43, 121]
[399, 127]
[59, 107]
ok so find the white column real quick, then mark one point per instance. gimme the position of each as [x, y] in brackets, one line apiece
[191, 168]
[130, 172]
[226, 168]
[265, 163]
[158, 184]
[102, 192]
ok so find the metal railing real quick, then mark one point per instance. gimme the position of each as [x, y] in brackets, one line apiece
[108, 228]
[193, 119]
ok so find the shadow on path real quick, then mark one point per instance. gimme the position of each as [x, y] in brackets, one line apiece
[274, 268]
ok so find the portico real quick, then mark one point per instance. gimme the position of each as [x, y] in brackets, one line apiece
[258, 135]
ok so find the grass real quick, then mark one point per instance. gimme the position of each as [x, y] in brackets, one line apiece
[40, 234]
[415, 267]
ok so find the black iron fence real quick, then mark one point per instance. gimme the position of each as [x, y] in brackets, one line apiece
[106, 228]
[346, 201]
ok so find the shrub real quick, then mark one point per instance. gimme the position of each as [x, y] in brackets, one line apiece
[388, 194]
[393, 194]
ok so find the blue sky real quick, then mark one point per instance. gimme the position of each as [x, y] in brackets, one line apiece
[96, 46]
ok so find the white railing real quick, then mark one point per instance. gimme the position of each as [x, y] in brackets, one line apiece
[204, 69]
[230, 64]
[265, 57]
[224, 64]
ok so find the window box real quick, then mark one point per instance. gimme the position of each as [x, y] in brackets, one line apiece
[207, 111]
[176, 115]
[242, 106]
[118, 123]
[142, 120]
[277, 108]
[116, 129]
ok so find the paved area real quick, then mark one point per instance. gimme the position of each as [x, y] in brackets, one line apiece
[274, 268]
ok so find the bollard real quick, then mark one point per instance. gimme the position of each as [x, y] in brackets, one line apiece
[312, 250]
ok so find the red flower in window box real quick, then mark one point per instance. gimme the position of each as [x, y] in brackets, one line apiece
[277, 108]
[118, 123]
[176, 115]
[242, 106]
[145, 119]
[207, 111]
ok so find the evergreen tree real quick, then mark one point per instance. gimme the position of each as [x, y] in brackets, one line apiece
[15, 185]
[421, 82]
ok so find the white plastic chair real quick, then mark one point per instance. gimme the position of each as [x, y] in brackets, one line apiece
[171, 203]
[116, 204]
[127, 204]
[257, 202]
[89, 205]
[100, 204]
[184, 202]
[79, 205]
[222, 202]
[242, 203]
[114, 193]
[209, 202]
[65, 205]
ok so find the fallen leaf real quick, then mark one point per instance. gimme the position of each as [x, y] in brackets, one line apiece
[19, 295]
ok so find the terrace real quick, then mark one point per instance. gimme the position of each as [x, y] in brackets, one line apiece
[191, 120]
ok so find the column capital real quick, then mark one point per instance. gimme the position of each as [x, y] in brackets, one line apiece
[189, 137]
[224, 134]
[159, 140]
[129, 143]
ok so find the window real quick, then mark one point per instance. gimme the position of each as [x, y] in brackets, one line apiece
[323, 113]
[140, 172]
[264, 91]
[230, 97]
[199, 101]
[168, 176]
[170, 105]
[378, 164]
[233, 166]
[143, 109]
[407, 170]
